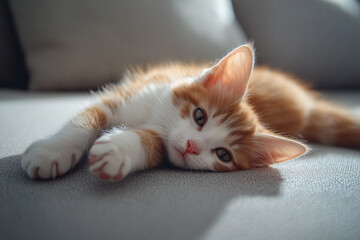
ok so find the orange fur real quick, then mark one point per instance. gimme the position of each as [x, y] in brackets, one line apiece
[153, 145]
[91, 118]
[223, 168]
[279, 100]
[298, 111]
[331, 124]
[110, 103]
[185, 110]
[137, 78]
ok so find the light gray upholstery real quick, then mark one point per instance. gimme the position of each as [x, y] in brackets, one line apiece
[72, 45]
[314, 197]
[315, 39]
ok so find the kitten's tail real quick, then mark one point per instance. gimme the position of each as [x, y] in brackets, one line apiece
[331, 124]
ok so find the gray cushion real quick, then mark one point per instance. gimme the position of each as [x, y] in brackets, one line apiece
[314, 197]
[314, 39]
[84, 44]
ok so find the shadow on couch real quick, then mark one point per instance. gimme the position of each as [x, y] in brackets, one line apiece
[174, 203]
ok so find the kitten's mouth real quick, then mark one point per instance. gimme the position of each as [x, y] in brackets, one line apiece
[182, 154]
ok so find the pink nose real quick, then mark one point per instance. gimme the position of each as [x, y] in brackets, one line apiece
[192, 148]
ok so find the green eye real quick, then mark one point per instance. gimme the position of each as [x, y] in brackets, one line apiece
[223, 154]
[200, 117]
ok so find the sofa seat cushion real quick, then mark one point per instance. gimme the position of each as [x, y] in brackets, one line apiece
[313, 197]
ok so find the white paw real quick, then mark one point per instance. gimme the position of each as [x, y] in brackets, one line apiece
[107, 161]
[48, 159]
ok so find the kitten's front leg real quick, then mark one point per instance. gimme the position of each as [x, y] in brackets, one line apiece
[55, 155]
[120, 152]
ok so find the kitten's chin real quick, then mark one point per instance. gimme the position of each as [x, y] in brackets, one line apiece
[176, 158]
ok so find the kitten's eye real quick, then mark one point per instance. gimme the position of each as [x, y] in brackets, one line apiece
[200, 117]
[223, 154]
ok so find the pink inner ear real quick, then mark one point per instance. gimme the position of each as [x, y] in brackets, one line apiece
[233, 72]
[284, 151]
[214, 77]
[274, 149]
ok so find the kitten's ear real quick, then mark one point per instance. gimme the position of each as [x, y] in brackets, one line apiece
[268, 149]
[232, 73]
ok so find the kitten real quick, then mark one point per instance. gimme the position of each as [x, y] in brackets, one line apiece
[224, 117]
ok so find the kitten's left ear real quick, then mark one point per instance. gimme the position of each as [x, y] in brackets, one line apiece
[232, 73]
[267, 149]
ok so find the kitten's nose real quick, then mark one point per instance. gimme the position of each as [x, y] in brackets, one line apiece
[192, 148]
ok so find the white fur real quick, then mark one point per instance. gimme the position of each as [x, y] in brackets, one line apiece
[120, 151]
[63, 149]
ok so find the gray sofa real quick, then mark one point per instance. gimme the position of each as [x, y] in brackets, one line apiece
[313, 197]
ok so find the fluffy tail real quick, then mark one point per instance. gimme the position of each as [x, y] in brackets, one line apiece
[331, 124]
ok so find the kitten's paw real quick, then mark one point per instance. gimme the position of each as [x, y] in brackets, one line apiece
[107, 161]
[45, 159]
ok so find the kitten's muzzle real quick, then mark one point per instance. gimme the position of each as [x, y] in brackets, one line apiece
[191, 148]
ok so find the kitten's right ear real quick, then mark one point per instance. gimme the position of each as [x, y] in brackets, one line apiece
[232, 73]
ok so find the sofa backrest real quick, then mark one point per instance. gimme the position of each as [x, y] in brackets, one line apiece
[76, 45]
[316, 40]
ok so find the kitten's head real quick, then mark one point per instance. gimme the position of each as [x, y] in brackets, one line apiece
[217, 129]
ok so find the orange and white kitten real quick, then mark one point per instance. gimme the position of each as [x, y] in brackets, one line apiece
[224, 117]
